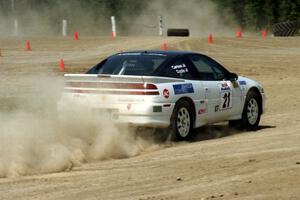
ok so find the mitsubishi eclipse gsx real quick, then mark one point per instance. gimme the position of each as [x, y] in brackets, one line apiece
[176, 90]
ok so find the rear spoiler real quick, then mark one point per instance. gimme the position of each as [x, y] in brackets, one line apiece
[119, 78]
[114, 84]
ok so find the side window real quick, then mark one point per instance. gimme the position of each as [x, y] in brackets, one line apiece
[178, 69]
[96, 68]
[208, 69]
[220, 72]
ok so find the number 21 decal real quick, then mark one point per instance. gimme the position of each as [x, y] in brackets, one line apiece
[226, 101]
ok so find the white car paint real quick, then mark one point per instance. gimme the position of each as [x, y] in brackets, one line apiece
[214, 101]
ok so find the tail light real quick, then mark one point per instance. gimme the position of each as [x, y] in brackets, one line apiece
[112, 88]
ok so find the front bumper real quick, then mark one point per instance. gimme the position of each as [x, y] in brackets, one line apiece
[263, 103]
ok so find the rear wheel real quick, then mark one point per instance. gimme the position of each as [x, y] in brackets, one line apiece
[182, 121]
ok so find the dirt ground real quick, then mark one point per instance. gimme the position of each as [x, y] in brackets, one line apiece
[217, 164]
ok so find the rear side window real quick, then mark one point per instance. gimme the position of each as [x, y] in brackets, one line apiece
[129, 64]
[178, 69]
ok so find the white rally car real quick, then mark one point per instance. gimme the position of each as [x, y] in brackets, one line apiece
[167, 89]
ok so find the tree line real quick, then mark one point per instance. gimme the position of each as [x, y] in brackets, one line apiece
[257, 14]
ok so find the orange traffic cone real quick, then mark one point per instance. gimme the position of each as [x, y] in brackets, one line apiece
[76, 36]
[239, 34]
[62, 64]
[264, 33]
[210, 38]
[113, 34]
[165, 46]
[28, 46]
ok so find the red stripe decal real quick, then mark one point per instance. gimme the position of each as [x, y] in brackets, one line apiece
[113, 92]
[112, 85]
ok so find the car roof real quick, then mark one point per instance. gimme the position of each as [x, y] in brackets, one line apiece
[167, 53]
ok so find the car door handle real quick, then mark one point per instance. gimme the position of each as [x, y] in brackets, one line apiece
[206, 92]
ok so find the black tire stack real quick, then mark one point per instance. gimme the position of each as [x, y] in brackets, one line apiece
[178, 32]
[286, 29]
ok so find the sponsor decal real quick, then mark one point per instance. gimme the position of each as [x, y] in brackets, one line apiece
[217, 108]
[129, 106]
[166, 93]
[225, 86]
[226, 100]
[201, 111]
[180, 69]
[157, 108]
[225, 97]
[183, 88]
[242, 82]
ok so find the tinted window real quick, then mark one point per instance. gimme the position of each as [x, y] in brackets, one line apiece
[208, 69]
[129, 64]
[178, 69]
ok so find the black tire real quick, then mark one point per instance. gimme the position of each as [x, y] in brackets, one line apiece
[286, 29]
[247, 123]
[179, 32]
[182, 121]
[251, 113]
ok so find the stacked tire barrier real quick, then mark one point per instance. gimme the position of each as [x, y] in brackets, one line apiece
[286, 29]
[178, 32]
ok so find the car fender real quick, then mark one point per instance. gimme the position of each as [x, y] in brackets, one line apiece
[246, 84]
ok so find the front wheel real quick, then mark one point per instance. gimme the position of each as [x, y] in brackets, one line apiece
[251, 113]
[182, 121]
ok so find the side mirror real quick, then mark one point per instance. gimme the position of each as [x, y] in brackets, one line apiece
[233, 77]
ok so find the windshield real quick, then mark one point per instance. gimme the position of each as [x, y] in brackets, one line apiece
[129, 64]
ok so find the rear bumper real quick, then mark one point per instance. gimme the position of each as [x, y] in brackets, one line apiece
[156, 121]
[141, 114]
[144, 114]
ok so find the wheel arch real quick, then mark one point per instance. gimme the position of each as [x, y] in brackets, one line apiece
[191, 102]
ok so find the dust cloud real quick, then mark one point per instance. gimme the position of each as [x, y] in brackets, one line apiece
[33, 137]
[201, 17]
[45, 18]
[36, 138]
